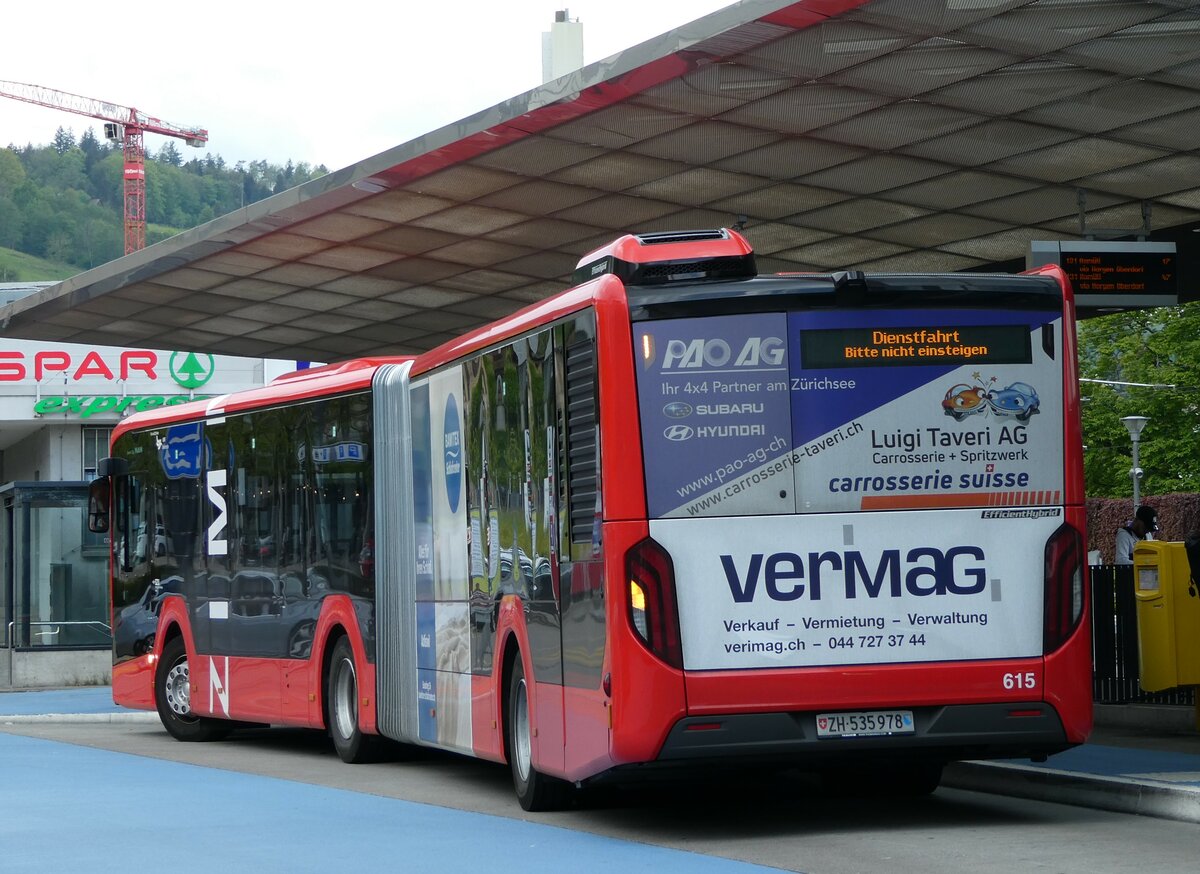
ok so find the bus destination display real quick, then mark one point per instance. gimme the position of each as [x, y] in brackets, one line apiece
[887, 346]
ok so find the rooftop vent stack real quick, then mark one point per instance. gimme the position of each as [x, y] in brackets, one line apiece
[562, 47]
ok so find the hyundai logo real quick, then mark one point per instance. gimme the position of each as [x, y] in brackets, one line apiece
[678, 432]
[677, 410]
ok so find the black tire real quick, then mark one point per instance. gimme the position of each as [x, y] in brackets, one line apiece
[341, 709]
[173, 698]
[535, 790]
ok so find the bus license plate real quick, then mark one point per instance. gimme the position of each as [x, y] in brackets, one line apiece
[868, 723]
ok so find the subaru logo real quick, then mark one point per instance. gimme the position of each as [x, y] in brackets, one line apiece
[678, 432]
[677, 410]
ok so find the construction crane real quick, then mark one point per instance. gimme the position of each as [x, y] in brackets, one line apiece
[122, 124]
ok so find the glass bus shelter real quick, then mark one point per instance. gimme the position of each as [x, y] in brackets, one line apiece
[54, 593]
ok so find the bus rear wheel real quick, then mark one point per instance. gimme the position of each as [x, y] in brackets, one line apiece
[353, 745]
[173, 698]
[535, 790]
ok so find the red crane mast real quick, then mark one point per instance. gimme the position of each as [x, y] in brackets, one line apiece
[122, 123]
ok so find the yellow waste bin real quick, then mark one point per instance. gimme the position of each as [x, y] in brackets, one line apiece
[1168, 610]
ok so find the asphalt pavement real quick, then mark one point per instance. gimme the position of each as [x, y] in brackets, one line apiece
[1142, 760]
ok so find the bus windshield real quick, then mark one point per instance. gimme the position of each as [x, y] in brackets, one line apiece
[817, 411]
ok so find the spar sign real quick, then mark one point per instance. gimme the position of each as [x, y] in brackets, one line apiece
[82, 381]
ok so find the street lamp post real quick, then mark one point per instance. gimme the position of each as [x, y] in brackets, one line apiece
[1134, 425]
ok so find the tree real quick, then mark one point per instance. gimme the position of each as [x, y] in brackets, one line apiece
[106, 179]
[55, 170]
[1149, 361]
[11, 224]
[93, 150]
[60, 246]
[12, 172]
[64, 140]
[169, 154]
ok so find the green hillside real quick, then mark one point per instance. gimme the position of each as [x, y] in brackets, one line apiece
[64, 202]
[19, 267]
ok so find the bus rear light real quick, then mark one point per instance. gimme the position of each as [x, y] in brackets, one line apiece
[651, 601]
[637, 608]
[1063, 587]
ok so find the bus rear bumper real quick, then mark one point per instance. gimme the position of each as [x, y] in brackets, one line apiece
[946, 733]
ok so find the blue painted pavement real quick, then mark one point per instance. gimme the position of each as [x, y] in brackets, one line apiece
[1179, 769]
[69, 808]
[82, 699]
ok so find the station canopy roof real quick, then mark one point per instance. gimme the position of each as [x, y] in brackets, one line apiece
[906, 135]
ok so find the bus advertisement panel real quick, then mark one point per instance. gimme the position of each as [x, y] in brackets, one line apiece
[863, 410]
[443, 637]
[830, 413]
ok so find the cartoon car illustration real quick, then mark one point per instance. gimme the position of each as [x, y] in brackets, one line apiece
[964, 400]
[1018, 400]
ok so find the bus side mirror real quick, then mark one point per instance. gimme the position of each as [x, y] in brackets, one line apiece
[100, 493]
[99, 500]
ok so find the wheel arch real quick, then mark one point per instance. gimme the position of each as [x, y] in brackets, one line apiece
[338, 619]
[510, 654]
[328, 642]
[172, 623]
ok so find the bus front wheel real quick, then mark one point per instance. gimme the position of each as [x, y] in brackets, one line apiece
[341, 694]
[535, 790]
[173, 698]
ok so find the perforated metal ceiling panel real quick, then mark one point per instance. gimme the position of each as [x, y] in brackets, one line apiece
[878, 134]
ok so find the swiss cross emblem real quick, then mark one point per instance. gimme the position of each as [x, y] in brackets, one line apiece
[990, 468]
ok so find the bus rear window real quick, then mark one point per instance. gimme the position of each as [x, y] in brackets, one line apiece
[842, 410]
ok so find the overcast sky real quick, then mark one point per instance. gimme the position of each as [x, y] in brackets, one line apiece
[279, 81]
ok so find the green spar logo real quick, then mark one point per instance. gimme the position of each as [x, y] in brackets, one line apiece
[193, 370]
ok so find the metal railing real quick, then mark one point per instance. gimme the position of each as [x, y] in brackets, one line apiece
[1115, 669]
[53, 627]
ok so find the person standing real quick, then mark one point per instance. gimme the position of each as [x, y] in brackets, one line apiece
[1143, 526]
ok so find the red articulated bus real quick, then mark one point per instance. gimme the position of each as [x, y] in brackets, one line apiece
[679, 514]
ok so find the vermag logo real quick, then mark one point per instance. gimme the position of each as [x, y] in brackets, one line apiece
[925, 570]
[693, 354]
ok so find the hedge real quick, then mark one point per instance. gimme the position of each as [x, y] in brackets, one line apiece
[1178, 516]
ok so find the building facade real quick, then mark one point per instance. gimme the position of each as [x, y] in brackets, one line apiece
[58, 405]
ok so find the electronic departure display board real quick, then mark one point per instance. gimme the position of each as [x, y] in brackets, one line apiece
[1114, 275]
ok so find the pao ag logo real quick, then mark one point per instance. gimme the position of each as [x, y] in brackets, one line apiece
[191, 370]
